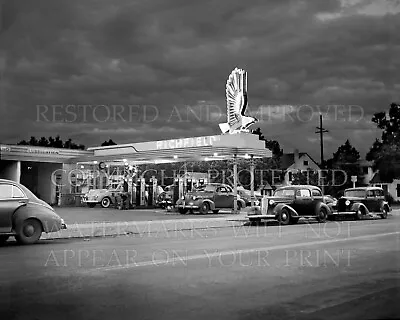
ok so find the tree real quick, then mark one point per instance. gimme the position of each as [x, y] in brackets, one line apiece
[52, 143]
[110, 142]
[346, 153]
[385, 152]
[346, 159]
[272, 145]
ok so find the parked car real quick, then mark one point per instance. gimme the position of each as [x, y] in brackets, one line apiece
[331, 202]
[289, 204]
[23, 215]
[246, 196]
[213, 196]
[104, 197]
[362, 202]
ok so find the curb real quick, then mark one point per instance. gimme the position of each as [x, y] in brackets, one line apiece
[106, 229]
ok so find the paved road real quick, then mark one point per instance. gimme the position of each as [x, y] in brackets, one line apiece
[74, 215]
[337, 270]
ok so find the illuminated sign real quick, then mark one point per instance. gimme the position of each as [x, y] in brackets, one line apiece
[187, 142]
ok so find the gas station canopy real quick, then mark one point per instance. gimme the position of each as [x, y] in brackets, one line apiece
[205, 148]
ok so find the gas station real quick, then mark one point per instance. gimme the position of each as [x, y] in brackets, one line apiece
[236, 146]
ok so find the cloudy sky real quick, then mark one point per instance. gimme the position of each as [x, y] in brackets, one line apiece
[140, 70]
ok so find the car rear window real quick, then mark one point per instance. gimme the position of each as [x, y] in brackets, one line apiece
[355, 193]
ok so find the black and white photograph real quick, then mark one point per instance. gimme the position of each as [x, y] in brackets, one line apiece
[216, 159]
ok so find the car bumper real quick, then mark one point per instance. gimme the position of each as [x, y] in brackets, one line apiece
[261, 216]
[187, 206]
[343, 212]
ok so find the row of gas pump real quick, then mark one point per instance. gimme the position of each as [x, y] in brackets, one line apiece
[148, 194]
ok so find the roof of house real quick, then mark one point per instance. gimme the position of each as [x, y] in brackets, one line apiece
[378, 179]
[287, 159]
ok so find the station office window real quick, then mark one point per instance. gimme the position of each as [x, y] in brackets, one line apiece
[305, 162]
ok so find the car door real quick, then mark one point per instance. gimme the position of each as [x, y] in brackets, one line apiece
[303, 202]
[11, 198]
[221, 198]
[370, 200]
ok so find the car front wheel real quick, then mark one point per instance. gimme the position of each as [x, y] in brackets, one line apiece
[204, 208]
[284, 217]
[322, 215]
[182, 211]
[384, 213]
[106, 202]
[29, 231]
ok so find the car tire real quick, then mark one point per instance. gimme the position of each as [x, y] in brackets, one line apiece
[322, 215]
[204, 208]
[239, 206]
[183, 211]
[3, 239]
[359, 214]
[29, 231]
[91, 205]
[284, 217]
[106, 202]
[384, 213]
[215, 211]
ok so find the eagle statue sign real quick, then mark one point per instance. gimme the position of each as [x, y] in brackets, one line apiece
[236, 104]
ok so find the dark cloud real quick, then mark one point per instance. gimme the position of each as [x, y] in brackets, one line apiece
[172, 54]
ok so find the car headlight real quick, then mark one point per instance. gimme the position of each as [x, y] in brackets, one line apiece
[194, 198]
[347, 202]
[271, 202]
[96, 196]
[183, 198]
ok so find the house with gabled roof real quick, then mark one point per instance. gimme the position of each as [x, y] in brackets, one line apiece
[290, 163]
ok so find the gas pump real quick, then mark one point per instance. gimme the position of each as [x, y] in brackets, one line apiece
[189, 185]
[181, 188]
[140, 192]
[152, 191]
[175, 194]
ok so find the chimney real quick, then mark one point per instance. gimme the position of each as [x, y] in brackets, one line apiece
[296, 155]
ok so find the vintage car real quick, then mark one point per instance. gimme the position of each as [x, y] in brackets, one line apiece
[104, 197]
[23, 215]
[363, 202]
[246, 196]
[212, 196]
[289, 204]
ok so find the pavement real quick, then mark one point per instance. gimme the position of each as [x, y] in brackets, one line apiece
[100, 222]
[336, 270]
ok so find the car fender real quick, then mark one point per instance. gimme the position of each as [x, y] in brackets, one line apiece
[280, 206]
[386, 204]
[50, 221]
[323, 205]
[357, 206]
[242, 202]
[210, 203]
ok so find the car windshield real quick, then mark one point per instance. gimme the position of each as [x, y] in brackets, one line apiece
[284, 193]
[208, 188]
[355, 193]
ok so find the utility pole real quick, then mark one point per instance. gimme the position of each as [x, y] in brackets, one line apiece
[321, 132]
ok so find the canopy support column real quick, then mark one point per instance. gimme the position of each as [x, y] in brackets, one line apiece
[252, 180]
[235, 208]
